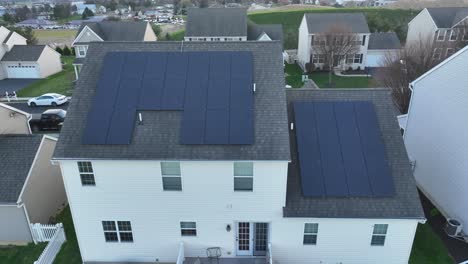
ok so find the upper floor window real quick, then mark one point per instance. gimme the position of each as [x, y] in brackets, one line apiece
[243, 176]
[86, 173]
[171, 177]
[115, 231]
[310, 233]
[188, 228]
[453, 35]
[441, 35]
[379, 234]
[81, 51]
[364, 40]
[318, 58]
[437, 54]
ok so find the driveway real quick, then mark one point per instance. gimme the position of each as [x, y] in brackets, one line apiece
[10, 85]
[23, 106]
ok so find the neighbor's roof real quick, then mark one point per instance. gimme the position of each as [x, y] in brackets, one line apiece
[447, 17]
[159, 137]
[323, 22]
[17, 155]
[24, 53]
[211, 22]
[117, 30]
[384, 41]
[405, 203]
[39, 22]
[274, 31]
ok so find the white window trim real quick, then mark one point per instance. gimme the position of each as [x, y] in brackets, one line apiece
[171, 176]
[87, 173]
[438, 35]
[79, 49]
[117, 230]
[452, 33]
[434, 54]
[243, 176]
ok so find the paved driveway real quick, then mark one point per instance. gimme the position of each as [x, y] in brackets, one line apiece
[11, 85]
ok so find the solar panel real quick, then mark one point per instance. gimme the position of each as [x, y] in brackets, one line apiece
[340, 150]
[241, 126]
[217, 126]
[194, 127]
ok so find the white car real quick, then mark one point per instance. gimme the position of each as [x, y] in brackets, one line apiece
[52, 99]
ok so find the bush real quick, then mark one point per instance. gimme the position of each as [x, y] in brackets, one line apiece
[359, 68]
[309, 67]
[59, 50]
[66, 51]
[350, 68]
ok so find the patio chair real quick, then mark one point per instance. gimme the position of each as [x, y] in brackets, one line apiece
[213, 253]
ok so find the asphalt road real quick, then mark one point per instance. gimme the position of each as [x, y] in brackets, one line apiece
[35, 110]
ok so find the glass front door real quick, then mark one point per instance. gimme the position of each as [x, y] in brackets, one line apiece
[252, 239]
[244, 238]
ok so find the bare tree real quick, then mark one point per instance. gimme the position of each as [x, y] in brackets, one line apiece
[335, 45]
[401, 68]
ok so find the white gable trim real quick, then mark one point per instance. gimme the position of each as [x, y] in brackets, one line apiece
[413, 83]
[82, 32]
[264, 37]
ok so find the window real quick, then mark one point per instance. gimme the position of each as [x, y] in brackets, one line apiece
[437, 53]
[188, 228]
[453, 35]
[310, 234]
[318, 58]
[441, 35]
[170, 172]
[122, 231]
[378, 235]
[243, 176]
[81, 51]
[364, 40]
[450, 52]
[86, 173]
[356, 58]
[465, 35]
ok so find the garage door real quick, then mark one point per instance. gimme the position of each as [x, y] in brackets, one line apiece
[375, 59]
[23, 71]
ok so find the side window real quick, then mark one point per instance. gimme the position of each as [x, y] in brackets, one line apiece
[243, 176]
[171, 177]
[117, 231]
[188, 228]
[310, 234]
[379, 234]
[86, 173]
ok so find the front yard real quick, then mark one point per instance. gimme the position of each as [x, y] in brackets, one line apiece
[58, 83]
[428, 248]
[294, 73]
[21, 254]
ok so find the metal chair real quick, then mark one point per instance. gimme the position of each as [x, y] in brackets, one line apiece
[213, 253]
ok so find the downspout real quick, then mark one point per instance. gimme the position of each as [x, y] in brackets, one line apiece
[19, 205]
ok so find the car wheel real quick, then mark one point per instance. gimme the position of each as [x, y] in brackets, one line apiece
[33, 104]
[53, 104]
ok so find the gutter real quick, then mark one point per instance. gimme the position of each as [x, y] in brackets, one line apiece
[19, 205]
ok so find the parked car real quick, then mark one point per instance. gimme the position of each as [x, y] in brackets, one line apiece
[51, 119]
[53, 99]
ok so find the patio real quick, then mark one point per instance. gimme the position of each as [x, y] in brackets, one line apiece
[237, 260]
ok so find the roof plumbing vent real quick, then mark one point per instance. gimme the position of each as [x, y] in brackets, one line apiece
[140, 119]
[254, 87]
[292, 126]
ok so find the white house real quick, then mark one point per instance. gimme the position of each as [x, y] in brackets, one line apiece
[435, 136]
[108, 31]
[382, 46]
[158, 170]
[314, 25]
[18, 60]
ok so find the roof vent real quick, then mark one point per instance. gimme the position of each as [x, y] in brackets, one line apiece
[140, 119]
[292, 126]
[254, 87]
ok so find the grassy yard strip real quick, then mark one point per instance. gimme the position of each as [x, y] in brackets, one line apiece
[321, 79]
[21, 254]
[428, 248]
[379, 20]
[58, 83]
[70, 252]
[293, 74]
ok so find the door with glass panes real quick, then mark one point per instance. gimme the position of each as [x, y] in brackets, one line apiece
[252, 238]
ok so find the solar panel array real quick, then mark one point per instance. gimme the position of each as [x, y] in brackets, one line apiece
[341, 152]
[213, 89]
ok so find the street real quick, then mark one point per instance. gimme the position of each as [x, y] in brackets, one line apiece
[35, 110]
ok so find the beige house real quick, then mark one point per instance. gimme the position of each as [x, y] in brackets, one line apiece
[31, 187]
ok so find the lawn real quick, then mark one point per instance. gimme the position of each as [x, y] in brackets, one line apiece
[379, 19]
[293, 74]
[428, 248]
[69, 253]
[321, 79]
[53, 36]
[21, 254]
[58, 83]
[68, 19]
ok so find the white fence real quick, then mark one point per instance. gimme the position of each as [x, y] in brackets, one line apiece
[44, 233]
[181, 257]
[53, 247]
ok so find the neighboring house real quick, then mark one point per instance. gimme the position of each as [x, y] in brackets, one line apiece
[435, 135]
[382, 46]
[227, 24]
[315, 26]
[38, 24]
[13, 121]
[444, 28]
[186, 157]
[108, 31]
[8, 39]
[31, 62]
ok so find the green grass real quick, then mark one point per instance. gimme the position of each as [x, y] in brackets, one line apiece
[321, 79]
[379, 19]
[428, 248]
[178, 35]
[69, 253]
[58, 83]
[54, 33]
[293, 74]
[21, 254]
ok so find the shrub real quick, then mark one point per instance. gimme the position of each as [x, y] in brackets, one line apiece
[359, 68]
[59, 50]
[66, 51]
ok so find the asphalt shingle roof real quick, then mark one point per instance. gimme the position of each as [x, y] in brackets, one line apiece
[324, 22]
[274, 31]
[17, 154]
[447, 17]
[211, 22]
[384, 41]
[159, 137]
[117, 30]
[405, 203]
[24, 53]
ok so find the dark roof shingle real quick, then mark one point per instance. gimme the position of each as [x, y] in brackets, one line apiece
[405, 204]
[117, 30]
[17, 154]
[384, 41]
[212, 22]
[447, 17]
[324, 22]
[24, 53]
[274, 31]
[159, 137]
